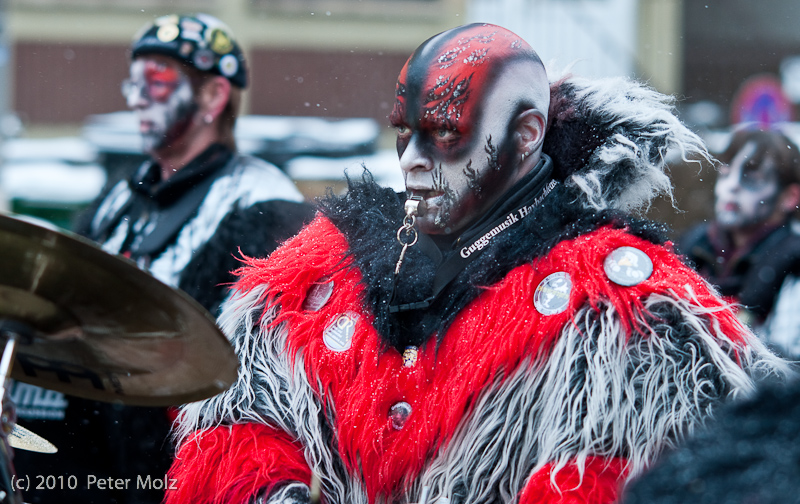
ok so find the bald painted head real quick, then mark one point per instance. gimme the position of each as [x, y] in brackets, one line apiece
[470, 114]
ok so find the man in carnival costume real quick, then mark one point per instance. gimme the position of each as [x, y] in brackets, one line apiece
[184, 213]
[502, 332]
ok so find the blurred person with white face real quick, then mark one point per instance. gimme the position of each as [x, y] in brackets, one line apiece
[749, 193]
[751, 250]
[165, 104]
[196, 201]
[184, 216]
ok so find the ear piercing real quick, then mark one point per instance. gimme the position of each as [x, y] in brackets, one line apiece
[208, 118]
[523, 156]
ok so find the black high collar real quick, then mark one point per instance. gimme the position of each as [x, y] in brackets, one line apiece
[147, 180]
[523, 193]
[507, 212]
[369, 215]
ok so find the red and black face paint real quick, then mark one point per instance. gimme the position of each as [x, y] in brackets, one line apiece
[443, 84]
[163, 99]
[161, 80]
[158, 83]
[457, 155]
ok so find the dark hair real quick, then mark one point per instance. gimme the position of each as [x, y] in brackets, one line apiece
[768, 142]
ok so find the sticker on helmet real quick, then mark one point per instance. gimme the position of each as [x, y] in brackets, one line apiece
[228, 65]
[203, 59]
[192, 35]
[186, 49]
[188, 24]
[220, 42]
[168, 33]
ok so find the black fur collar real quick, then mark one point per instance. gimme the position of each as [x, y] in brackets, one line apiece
[368, 215]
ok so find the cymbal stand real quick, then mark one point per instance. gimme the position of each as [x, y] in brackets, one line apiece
[11, 332]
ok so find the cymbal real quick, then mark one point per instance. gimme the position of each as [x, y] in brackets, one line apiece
[23, 439]
[101, 328]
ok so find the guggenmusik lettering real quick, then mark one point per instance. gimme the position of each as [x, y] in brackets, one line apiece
[512, 219]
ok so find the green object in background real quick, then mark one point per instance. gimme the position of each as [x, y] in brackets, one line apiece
[58, 213]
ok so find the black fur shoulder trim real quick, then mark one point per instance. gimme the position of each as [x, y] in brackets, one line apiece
[610, 139]
[369, 215]
[255, 232]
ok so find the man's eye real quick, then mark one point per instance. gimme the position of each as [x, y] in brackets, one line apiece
[445, 134]
[751, 165]
[753, 177]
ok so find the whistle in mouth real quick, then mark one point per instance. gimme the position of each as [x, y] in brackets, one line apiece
[415, 206]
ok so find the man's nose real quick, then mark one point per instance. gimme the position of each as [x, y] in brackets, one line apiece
[734, 185]
[414, 158]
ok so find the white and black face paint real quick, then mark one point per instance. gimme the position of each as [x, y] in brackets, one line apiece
[455, 188]
[162, 97]
[746, 190]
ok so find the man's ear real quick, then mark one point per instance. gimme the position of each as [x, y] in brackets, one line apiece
[529, 132]
[214, 96]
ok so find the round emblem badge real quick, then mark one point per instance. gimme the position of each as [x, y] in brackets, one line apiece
[317, 296]
[168, 33]
[399, 414]
[191, 25]
[219, 41]
[552, 294]
[338, 336]
[628, 266]
[228, 65]
[203, 59]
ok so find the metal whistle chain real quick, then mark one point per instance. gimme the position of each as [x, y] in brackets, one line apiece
[407, 234]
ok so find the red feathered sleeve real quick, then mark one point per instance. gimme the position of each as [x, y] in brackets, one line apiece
[232, 464]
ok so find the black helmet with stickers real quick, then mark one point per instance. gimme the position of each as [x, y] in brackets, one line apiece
[201, 41]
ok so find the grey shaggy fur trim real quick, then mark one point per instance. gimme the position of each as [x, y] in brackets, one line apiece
[293, 493]
[596, 395]
[639, 133]
[271, 390]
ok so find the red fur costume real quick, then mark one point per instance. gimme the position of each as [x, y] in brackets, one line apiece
[499, 336]
[568, 349]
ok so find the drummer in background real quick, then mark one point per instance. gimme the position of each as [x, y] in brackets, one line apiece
[185, 212]
[183, 216]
